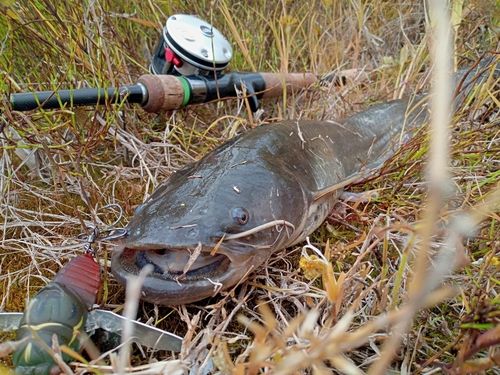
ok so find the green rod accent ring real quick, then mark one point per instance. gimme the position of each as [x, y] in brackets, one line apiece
[187, 90]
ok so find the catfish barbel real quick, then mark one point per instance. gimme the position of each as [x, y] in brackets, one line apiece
[216, 220]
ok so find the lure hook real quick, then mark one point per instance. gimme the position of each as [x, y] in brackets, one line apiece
[115, 233]
[95, 233]
[114, 205]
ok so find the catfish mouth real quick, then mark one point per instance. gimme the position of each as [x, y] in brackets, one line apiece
[176, 264]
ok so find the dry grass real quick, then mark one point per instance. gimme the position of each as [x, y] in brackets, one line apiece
[377, 305]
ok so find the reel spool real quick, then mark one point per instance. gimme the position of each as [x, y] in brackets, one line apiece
[189, 45]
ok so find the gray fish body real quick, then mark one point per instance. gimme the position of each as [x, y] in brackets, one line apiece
[264, 190]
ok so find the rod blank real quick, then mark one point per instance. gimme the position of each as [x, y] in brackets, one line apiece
[79, 97]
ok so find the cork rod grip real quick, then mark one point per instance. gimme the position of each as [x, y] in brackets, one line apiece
[275, 83]
[165, 92]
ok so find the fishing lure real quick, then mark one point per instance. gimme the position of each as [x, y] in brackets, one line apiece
[60, 309]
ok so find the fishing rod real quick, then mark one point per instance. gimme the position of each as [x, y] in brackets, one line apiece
[186, 69]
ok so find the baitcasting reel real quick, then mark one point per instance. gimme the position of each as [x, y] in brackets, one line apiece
[189, 45]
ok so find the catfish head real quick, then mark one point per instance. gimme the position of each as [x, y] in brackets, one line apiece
[211, 224]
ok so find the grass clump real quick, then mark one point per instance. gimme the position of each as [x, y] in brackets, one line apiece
[59, 167]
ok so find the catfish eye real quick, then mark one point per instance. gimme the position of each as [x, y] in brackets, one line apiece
[240, 215]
